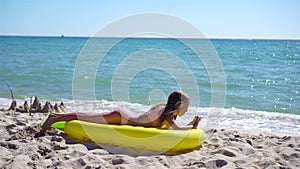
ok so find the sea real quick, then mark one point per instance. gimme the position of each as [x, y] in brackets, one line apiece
[234, 83]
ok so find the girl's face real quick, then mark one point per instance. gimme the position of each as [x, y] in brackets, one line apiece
[183, 108]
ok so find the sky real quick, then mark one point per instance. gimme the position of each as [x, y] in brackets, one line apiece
[251, 19]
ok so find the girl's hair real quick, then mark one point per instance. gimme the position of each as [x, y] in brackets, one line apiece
[175, 100]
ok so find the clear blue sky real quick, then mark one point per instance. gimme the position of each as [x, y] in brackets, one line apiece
[277, 19]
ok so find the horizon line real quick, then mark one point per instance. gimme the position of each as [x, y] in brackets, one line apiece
[149, 37]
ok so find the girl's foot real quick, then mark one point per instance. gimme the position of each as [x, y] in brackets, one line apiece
[49, 121]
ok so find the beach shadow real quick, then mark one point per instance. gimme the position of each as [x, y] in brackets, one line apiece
[113, 149]
[89, 146]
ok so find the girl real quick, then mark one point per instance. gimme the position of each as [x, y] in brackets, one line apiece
[160, 116]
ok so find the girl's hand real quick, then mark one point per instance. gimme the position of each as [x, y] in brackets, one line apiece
[195, 121]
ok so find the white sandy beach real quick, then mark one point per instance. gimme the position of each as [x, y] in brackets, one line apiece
[223, 148]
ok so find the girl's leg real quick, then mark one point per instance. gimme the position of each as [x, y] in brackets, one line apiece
[52, 118]
[121, 116]
[115, 117]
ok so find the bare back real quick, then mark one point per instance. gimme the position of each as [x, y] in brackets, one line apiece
[151, 117]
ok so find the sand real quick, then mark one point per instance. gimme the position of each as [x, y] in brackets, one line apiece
[223, 148]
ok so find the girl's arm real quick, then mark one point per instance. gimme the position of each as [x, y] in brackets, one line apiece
[192, 125]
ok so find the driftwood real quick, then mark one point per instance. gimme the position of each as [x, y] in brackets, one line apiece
[13, 105]
[11, 92]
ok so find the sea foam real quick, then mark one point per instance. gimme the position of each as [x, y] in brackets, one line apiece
[211, 117]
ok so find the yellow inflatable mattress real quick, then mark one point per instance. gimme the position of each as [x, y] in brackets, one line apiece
[139, 139]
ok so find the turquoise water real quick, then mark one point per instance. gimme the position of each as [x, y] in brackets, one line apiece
[260, 75]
